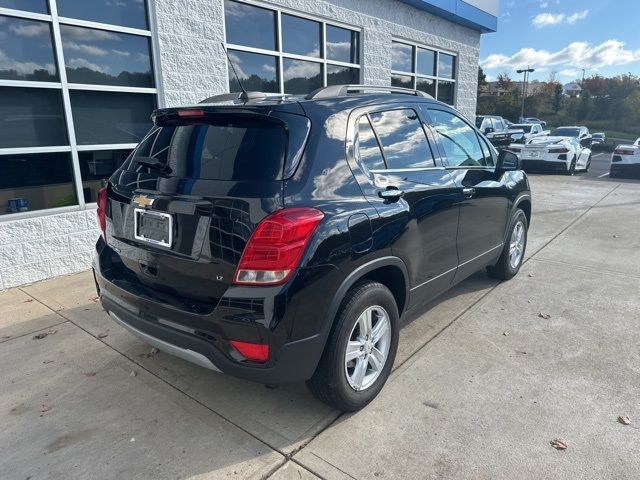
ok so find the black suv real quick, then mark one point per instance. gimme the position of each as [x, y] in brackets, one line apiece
[280, 239]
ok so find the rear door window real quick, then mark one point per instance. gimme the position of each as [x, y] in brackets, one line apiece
[367, 146]
[232, 148]
[404, 143]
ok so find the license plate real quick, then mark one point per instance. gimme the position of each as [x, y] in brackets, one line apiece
[533, 154]
[153, 227]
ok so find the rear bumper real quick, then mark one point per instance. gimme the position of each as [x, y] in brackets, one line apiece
[203, 339]
[543, 165]
[618, 168]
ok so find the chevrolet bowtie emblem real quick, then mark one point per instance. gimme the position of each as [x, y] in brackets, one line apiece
[143, 201]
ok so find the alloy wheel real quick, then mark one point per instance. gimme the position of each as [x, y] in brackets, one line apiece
[368, 348]
[516, 247]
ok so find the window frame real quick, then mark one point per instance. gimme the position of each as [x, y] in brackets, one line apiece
[280, 55]
[443, 155]
[65, 87]
[436, 78]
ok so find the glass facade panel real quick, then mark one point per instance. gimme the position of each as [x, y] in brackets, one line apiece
[31, 117]
[337, 75]
[110, 117]
[97, 166]
[446, 66]
[35, 182]
[301, 36]
[256, 71]
[404, 81]
[106, 58]
[401, 57]
[249, 25]
[26, 50]
[427, 85]
[343, 45]
[445, 91]
[37, 6]
[301, 76]
[128, 13]
[426, 62]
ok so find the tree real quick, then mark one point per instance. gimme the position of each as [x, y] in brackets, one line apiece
[557, 97]
[483, 86]
[504, 82]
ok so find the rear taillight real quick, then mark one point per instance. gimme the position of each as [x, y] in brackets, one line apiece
[256, 352]
[276, 246]
[101, 212]
[191, 113]
[624, 151]
[559, 150]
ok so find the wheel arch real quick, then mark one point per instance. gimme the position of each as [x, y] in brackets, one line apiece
[524, 203]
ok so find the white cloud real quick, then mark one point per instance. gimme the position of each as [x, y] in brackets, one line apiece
[84, 48]
[577, 16]
[544, 4]
[23, 68]
[121, 53]
[568, 72]
[547, 19]
[84, 63]
[30, 30]
[575, 55]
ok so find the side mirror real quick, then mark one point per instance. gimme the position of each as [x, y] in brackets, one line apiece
[507, 161]
[586, 142]
[488, 130]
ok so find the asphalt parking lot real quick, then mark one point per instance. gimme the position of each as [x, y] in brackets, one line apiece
[485, 378]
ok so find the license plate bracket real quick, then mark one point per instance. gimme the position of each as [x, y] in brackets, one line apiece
[153, 227]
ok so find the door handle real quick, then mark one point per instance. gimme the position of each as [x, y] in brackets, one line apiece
[391, 194]
[469, 192]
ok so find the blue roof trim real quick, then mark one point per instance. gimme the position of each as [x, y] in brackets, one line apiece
[459, 12]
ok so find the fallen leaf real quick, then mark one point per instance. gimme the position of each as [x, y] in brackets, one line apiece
[90, 374]
[103, 334]
[530, 275]
[6, 336]
[133, 373]
[624, 420]
[28, 300]
[559, 444]
[133, 439]
[41, 335]
[47, 361]
[44, 408]
[506, 334]
[94, 299]
[546, 316]
[616, 236]
[150, 353]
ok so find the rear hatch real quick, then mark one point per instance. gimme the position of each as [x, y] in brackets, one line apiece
[186, 201]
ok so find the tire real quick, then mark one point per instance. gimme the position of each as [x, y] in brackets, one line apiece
[586, 169]
[572, 168]
[333, 379]
[505, 269]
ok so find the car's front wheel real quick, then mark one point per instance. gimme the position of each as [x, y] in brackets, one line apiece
[571, 169]
[512, 256]
[360, 350]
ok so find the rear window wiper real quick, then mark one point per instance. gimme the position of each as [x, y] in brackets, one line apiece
[153, 163]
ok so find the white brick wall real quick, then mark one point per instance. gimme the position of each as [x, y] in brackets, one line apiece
[34, 249]
[194, 67]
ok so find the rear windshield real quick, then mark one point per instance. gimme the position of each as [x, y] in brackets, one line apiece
[565, 132]
[225, 149]
[525, 128]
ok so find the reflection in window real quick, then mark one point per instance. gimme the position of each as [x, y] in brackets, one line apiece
[128, 13]
[35, 182]
[249, 25]
[367, 148]
[426, 62]
[38, 6]
[401, 57]
[337, 75]
[446, 66]
[342, 44]
[31, 117]
[256, 71]
[301, 76]
[300, 36]
[97, 166]
[426, 85]
[403, 140]
[26, 50]
[404, 81]
[110, 117]
[459, 140]
[445, 91]
[106, 58]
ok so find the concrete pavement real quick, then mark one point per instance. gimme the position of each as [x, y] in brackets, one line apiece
[465, 400]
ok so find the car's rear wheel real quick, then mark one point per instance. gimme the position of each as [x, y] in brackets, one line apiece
[512, 256]
[360, 350]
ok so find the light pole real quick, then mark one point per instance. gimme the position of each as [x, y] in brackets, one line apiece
[526, 72]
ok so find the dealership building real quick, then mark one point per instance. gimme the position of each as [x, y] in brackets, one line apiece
[79, 80]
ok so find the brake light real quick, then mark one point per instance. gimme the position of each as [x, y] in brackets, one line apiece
[101, 212]
[624, 151]
[276, 246]
[190, 113]
[256, 352]
[559, 150]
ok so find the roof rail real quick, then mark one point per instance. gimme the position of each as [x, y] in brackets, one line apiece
[341, 90]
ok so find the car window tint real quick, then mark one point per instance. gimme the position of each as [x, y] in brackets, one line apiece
[459, 141]
[367, 148]
[403, 139]
[486, 152]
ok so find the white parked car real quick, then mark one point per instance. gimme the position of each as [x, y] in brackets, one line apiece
[553, 153]
[625, 159]
[522, 132]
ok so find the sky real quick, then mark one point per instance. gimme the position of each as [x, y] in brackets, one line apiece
[564, 36]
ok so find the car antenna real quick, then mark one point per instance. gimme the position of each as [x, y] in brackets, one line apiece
[244, 96]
